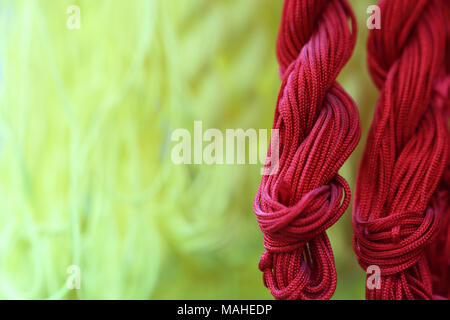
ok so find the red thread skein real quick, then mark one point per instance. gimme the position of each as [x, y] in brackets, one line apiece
[318, 127]
[401, 198]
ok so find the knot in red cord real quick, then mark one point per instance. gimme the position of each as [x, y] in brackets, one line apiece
[395, 242]
[288, 228]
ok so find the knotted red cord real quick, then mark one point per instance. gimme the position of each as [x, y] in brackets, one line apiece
[318, 127]
[398, 205]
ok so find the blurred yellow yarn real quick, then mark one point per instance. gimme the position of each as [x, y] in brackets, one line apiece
[86, 178]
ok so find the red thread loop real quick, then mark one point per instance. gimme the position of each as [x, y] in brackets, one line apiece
[289, 228]
[396, 242]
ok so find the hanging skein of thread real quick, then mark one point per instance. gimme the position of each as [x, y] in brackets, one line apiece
[439, 252]
[318, 127]
[398, 204]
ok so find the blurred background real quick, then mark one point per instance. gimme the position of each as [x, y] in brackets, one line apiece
[86, 176]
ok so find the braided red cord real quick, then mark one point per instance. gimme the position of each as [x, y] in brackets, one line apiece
[398, 205]
[318, 129]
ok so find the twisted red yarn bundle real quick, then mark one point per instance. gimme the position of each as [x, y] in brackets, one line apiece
[401, 199]
[318, 127]
[439, 252]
